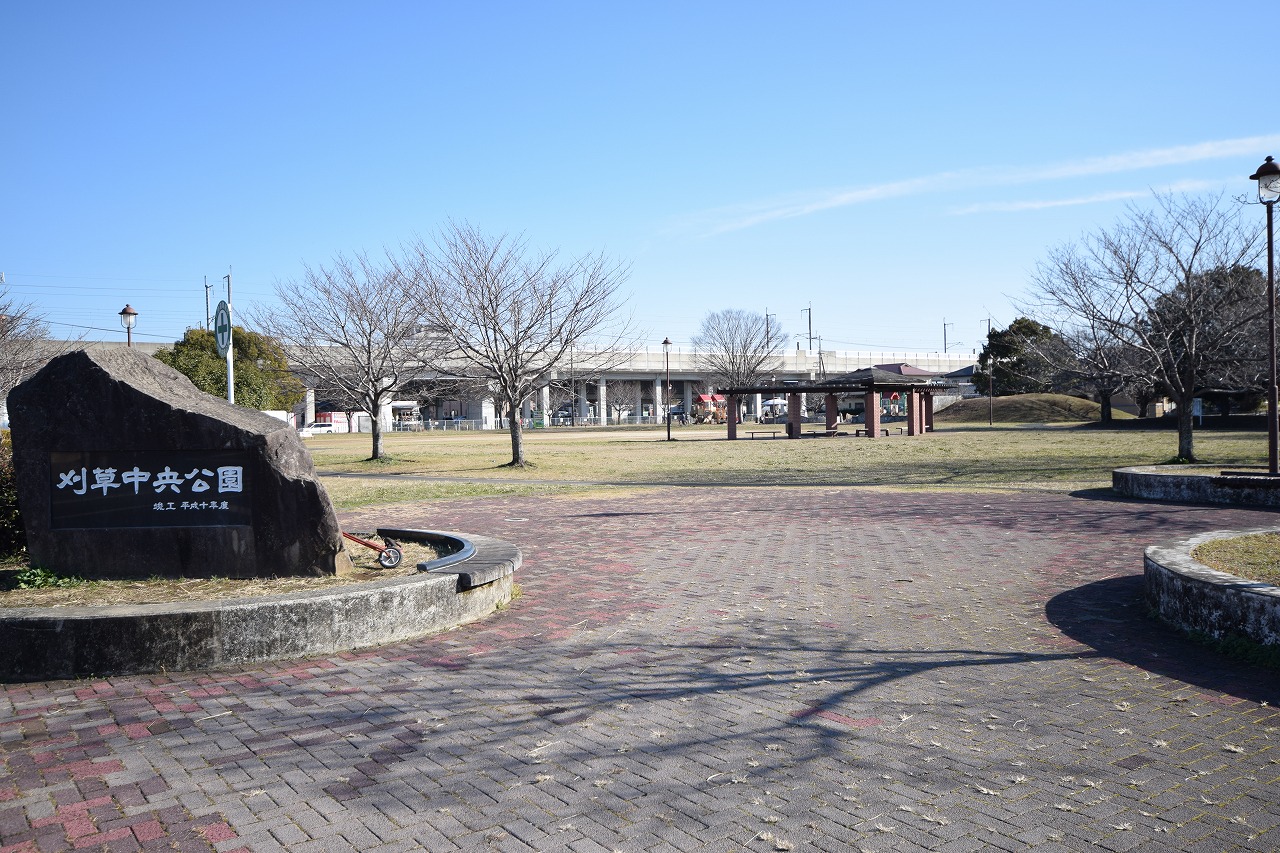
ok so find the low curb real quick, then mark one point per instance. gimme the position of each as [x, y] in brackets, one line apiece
[43, 643]
[1195, 484]
[1194, 597]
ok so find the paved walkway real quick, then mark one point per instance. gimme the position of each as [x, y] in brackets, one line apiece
[826, 669]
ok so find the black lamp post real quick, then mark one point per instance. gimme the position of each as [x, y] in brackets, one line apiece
[1268, 178]
[666, 391]
[127, 318]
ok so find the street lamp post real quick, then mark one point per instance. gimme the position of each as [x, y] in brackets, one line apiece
[127, 318]
[1268, 178]
[666, 391]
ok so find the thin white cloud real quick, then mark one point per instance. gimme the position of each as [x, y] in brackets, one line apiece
[746, 216]
[1097, 198]
[1017, 206]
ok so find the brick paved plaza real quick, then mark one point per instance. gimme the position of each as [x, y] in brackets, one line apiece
[706, 668]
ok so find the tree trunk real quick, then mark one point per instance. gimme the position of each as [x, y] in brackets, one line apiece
[1186, 418]
[517, 437]
[1104, 400]
[376, 425]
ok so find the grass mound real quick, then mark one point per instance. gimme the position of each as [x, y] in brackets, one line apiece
[1026, 409]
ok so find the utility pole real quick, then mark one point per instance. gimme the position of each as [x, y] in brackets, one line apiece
[768, 333]
[944, 333]
[231, 370]
[208, 318]
[810, 310]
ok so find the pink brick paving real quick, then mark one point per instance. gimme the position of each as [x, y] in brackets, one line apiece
[703, 669]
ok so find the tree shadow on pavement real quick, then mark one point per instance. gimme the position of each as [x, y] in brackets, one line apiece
[1112, 616]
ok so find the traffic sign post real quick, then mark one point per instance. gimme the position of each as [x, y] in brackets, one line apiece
[222, 328]
[222, 337]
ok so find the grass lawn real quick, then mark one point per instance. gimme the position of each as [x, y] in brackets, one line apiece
[1058, 457]
[1255, 557]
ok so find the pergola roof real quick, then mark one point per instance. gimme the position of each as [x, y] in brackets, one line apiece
[859, 381]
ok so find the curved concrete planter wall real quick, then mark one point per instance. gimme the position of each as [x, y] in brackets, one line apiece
[69, 642]
[1195, 484]
[1195, 597]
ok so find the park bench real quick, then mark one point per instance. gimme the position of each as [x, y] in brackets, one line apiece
[772, 433]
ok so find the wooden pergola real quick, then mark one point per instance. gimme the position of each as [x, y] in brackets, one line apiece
[870, 382]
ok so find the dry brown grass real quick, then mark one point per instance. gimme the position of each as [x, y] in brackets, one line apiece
[166, 590]
[1060, 457]
[1255, 557]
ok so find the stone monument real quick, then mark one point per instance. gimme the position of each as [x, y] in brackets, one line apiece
[127, 470]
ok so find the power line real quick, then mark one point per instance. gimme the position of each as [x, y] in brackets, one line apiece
[100, 329]
[99, 277]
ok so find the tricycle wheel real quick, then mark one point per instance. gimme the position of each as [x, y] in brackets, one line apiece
[389, 558]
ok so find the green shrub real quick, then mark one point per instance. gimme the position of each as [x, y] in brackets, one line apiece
[34, 577]
[13, 538]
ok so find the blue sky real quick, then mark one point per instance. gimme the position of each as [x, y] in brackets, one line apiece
[896, 166]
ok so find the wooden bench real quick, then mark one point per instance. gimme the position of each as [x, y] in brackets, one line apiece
[772, 433]
[862, 431]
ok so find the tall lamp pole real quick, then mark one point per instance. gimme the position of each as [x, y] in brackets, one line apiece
[128, 317]
[1268, 178]
[666, 391]
[991, 382]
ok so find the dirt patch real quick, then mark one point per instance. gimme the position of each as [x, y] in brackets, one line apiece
[72, 592]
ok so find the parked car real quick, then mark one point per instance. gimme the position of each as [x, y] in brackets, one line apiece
[316, 428]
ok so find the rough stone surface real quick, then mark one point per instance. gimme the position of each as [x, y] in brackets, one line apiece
[1193, 596]
[77, 642]
[121, 402]
[1187, 484]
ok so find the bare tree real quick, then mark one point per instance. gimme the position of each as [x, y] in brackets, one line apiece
[1085, 359]
[25, 345]
[509, 316]
[737, 348]
[1169, 285]
[355, 327]
[622, 396]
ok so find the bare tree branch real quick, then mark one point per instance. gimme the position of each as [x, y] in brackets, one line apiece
[356, 327]
[25, 345]
[737, 348]
[1172, 285]
[508, 317]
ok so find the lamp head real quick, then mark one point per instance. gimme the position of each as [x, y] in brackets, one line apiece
[128, 317]
[1268, 178]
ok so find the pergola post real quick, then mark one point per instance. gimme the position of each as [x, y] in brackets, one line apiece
[793, 414]
[731, 416]
[927, 405]
[833, 414]
[913, 412]
[871, 413]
